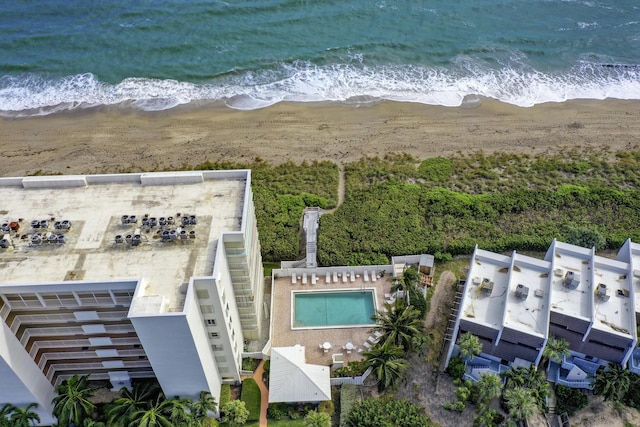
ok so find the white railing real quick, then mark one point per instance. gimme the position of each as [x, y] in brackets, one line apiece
[61, 318]
[46, 357]
[351, 380]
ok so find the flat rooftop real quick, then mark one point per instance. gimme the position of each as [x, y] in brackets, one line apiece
[576, 302]
[528, 298]
[614, 309]
[65, 228]
[635, 262]
[484, 301]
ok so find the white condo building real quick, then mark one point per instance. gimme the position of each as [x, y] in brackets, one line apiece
[127, 276]
[513, 304]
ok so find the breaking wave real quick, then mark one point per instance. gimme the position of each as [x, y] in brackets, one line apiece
[33, 95]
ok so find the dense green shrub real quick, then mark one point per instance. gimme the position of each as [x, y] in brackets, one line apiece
[387, 413]
[437, 169]
[277, 411]
[249, 364]
[326, 406]
[225, 394]
[569, 400]
[251, 396]
[352, 369]
[456, 367]
[347, 401]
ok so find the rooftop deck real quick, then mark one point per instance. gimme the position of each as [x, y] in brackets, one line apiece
[484, 301]
[575, 300]
[66, 231]
[283, 335]
[527, 305]
[612, 303]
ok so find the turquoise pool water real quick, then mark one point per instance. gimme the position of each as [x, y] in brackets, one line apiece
[340, 308]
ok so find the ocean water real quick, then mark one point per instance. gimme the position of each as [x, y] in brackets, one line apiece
[156, 54]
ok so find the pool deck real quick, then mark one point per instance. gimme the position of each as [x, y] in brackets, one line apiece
[284, 336]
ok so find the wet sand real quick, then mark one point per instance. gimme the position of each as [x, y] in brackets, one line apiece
[109, 141]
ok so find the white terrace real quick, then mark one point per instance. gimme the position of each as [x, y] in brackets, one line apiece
[527, 304]
[613, 305]
[484, 301]
[571, 285]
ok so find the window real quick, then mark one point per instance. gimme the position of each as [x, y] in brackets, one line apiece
[206, 309]
[214, 335]
[216, 347]
[202, 294]
[211, 322]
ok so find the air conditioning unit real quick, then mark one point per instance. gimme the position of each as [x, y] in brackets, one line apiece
[603, 292]
[571, 280]
[487, 286]
[522, 292]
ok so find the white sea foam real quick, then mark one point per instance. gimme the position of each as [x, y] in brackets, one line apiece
[513, 83]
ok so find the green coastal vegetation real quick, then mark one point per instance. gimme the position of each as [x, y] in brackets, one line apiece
[445, 206]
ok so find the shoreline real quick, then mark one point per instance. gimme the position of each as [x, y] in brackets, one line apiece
[105, 140]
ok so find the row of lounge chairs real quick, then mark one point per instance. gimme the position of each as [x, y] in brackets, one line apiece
[334, 277]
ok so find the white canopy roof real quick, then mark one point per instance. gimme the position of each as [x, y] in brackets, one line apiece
[293, 380]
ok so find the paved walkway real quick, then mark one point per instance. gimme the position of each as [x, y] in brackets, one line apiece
[264, 392]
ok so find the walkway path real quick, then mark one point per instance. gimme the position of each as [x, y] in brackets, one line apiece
[341, 189]
[264, 392]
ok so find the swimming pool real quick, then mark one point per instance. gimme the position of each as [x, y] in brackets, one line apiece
[333, 309]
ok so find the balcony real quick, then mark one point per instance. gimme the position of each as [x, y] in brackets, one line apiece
[573, 372]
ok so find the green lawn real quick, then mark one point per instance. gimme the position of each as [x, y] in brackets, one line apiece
[251, 396]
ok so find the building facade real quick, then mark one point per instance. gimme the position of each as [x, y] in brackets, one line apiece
[127, 276]
[513, 304]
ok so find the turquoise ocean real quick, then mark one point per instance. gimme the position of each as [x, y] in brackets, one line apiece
[60, 55]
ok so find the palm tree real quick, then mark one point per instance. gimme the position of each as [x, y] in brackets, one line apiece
[25, 417]
[387, 363]
[469, 346]
[521, 403]
[157, 414]
[180, 412]
[556, 349]
[410, 280]
[489, 386]
[120, 411]
[530, 378]
[401, 326]
[72, 405]
[613, 383]
[317, 419]
[5, 414]
[203, 406]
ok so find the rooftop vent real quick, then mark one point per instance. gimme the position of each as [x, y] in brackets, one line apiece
[522, 292]
[603, 292]
[487, 286]
[571, 280]
[119, 238]
[5, 241]
[128, 219]
[623, 293]
[5, 227]
[539, 293]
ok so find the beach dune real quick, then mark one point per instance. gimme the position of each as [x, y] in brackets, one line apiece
[109, 141]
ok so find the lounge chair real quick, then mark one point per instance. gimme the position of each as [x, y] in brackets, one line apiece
[313, 278]
[353, 276]
[293, 279]
[374, 277]
[367, 345]
[366, 276]
[304, 278]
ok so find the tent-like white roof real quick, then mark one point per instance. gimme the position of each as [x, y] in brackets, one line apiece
[291, 379]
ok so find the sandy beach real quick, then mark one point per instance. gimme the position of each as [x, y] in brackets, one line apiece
[105, 140]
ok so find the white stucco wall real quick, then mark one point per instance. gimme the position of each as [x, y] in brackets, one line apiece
[171, 348]
[21, 381]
